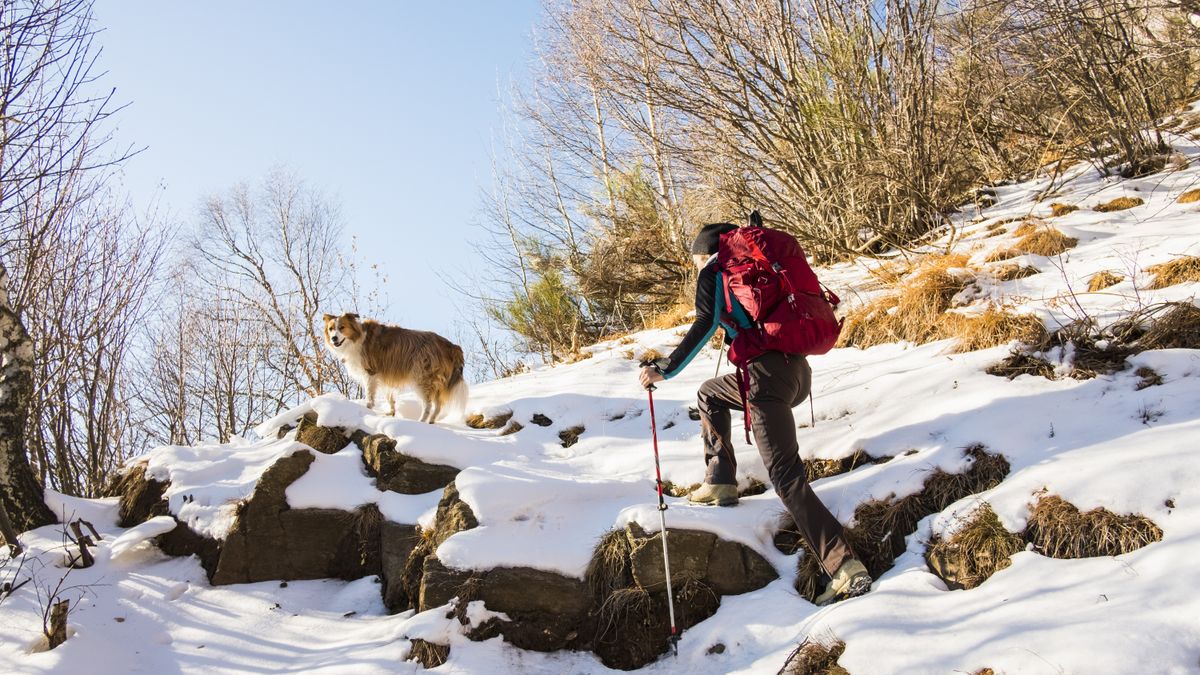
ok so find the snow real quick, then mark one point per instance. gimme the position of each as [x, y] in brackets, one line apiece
[1096, 443]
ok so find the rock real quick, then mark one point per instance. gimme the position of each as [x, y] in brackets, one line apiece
[734, 569]
[402, 473]
[439, 584]
[453, 516]
[322, 439]
[141, 497]
[270, 540]
[397, 542]
[689, 549]
[184, 541]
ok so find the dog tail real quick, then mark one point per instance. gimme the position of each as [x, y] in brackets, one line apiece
[459, 393]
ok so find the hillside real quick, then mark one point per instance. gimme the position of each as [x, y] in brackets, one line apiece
[1097, 417]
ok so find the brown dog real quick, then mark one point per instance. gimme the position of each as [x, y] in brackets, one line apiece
[377, 355]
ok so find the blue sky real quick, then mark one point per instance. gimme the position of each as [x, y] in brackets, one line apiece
[388, 107]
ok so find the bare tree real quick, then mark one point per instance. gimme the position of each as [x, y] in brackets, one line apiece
[20, 494]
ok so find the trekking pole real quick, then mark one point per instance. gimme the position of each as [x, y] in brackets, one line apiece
[662, 519]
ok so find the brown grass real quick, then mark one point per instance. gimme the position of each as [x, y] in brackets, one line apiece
[911, 313]
[1120, 204]
[428, 654]
[511, 428]
[1059, 530]
[1177, 271]
[570, 436]
[979, 549]
[1189, 197]
[816, 469]
[812, 658]
[609, 569]
[1058, 209]
[1103, 279]
[992, 328]
[676, 315]
[1178, 328]
[1021, 363]
[1149, 378]
[650, 355]
[1048, 242]
[478, 421]
[1002, 254]
[1028, 226]
[1013, 272]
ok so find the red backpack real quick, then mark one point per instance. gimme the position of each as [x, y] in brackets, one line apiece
[766, 271]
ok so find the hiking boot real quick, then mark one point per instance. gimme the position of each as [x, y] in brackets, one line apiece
[851, 580]
[718, 495]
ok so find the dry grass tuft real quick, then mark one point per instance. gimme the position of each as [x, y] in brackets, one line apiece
[881, 525]
[911, 313]
[609, 569]
[1021, 363]
[811, 658]
[991, 328]
[1014, 272]
[975, 552]
[570, 436]
[1120, 204]
[478, 421]
[1179, 328]
[816, 469]
[650, 355]
[676, 315]
[1059, 530]
[1002, 254]
[1189, 197]
[1058, 209]
[1177, 271]
[1027, 227]
[1047, 242]
[428, 654]
[511, 428]
[1103, 279]
[1149, 378]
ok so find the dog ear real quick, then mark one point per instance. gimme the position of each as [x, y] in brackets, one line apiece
[351, 315]
[328, 317]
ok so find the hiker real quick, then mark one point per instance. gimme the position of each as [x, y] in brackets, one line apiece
[774, 383]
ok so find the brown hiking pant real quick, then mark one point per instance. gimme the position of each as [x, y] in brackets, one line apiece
[777, 383]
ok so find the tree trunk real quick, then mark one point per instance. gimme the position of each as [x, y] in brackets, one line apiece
[21, 496]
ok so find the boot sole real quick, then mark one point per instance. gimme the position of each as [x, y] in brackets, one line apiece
[721, 502]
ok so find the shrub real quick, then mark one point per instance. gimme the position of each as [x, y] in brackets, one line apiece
[1120, 204]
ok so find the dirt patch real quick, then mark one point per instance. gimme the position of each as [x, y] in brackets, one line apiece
[979, 549]
[1119, 204]
[478, 421]
[812, 658]
[881, 525]
[1104, 279]
[1058, 529]
[1178, 271]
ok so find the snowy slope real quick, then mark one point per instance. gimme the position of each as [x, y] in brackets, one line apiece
[544, 506]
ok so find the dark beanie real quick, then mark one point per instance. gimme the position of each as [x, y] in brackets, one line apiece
[709, 238]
